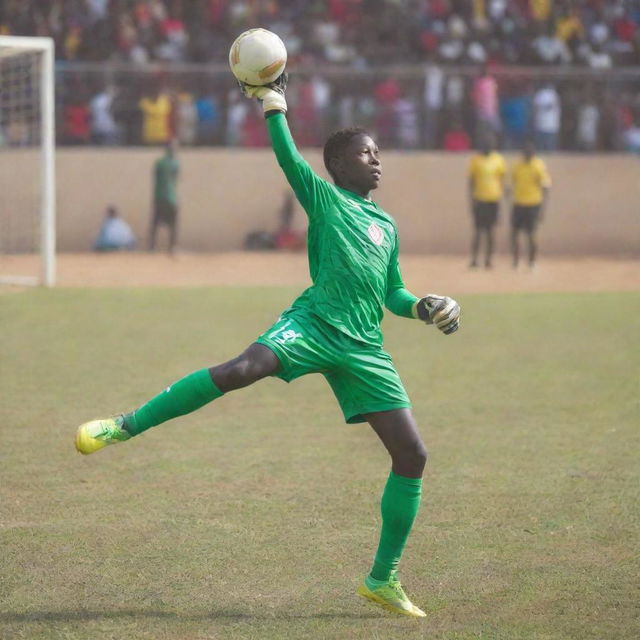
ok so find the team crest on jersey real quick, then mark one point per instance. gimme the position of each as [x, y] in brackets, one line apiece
[375, 233]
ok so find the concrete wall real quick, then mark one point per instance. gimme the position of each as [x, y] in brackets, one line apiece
[594, 208]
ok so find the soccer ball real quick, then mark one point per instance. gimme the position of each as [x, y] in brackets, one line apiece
[257, 57]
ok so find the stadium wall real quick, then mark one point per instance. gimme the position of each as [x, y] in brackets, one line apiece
[594, 207]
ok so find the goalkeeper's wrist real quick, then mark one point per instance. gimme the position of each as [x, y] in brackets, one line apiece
[273, 101]
[420, 312]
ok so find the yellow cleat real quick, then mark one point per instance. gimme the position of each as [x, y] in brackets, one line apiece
[96, 434]
[391, 596]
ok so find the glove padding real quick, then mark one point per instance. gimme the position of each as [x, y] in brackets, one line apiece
[442, 311]
[270, 95]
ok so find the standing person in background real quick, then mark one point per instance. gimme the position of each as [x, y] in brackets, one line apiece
[485, 102]
[487, 172]
[588, 124]
[104, 129]
[547, 112]
[156, 118]
[186, 118]
[531, 182]
[165, 196]
[432, 100]
[76, 128]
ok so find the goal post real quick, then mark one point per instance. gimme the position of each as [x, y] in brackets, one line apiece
[27, 161]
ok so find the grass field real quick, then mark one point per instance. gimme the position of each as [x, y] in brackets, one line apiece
[257, 516]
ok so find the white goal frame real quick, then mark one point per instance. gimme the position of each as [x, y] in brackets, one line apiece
[47, 212]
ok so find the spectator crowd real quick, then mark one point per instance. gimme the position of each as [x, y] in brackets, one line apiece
[420, 73]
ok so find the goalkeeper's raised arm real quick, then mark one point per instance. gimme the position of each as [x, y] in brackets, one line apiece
[310, 189]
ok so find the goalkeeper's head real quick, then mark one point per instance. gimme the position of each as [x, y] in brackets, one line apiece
[352, 159]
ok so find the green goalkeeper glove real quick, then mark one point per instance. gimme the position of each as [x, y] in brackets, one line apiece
[442, 311]
[271, 95]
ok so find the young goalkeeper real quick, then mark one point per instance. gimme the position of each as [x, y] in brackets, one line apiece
[333, 328]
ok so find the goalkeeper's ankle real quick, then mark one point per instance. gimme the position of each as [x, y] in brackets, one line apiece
[128, 427]
[372, 583]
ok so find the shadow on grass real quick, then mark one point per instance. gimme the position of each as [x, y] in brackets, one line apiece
[222, 614]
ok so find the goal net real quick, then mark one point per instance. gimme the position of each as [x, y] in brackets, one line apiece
[27, 191]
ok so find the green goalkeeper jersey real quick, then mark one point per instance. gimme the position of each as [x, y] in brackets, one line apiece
[352, 245]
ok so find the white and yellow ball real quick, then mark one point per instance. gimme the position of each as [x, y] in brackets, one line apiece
[257, 57]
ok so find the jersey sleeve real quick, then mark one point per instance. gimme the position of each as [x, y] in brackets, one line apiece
[313, 192]
[399, 300]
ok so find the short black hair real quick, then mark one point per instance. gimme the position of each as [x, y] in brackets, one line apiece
[337, 142]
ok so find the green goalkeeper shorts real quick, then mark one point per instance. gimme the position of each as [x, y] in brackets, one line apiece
[362, 376]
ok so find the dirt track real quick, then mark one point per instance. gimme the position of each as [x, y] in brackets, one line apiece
[437, 273]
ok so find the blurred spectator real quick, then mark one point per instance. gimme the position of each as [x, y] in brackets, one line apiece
[631, 138]
[569, 26]
[407, 125]
[342, 32]
[127, 114]
[597, 58]
[173, 45]
[307, 115]
[456, 138]
[156, 111]
[540, 9]
[165, 196]
[115, 234]
[76, 121]
[237, 110]
[186, 118]
[485, 101]
[588, 123]
[546, 117]
[454, 92]
[104, 129]
[433, 97]
[356, 35]
[208, 119]
[515, 109]
[387, 94]
[549, 49]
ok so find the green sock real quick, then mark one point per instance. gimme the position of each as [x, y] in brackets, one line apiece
[399, 506]
[184, 396]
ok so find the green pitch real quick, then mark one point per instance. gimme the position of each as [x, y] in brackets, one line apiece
[257, 516]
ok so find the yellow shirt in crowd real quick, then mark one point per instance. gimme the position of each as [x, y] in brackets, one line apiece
[487, 173]
[155, 124]
[569, 27]
[529, 179]
[540, 9]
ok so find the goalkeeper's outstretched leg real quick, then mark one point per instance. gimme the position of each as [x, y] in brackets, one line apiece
[184, 396]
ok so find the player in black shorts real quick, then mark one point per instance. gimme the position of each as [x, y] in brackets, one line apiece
[531, 184]
[486, 188]
[165, 198]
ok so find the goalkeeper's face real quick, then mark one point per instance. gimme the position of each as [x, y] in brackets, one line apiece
[358, 168]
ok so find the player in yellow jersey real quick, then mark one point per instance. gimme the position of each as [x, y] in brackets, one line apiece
[531, 183]
[487, 172]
